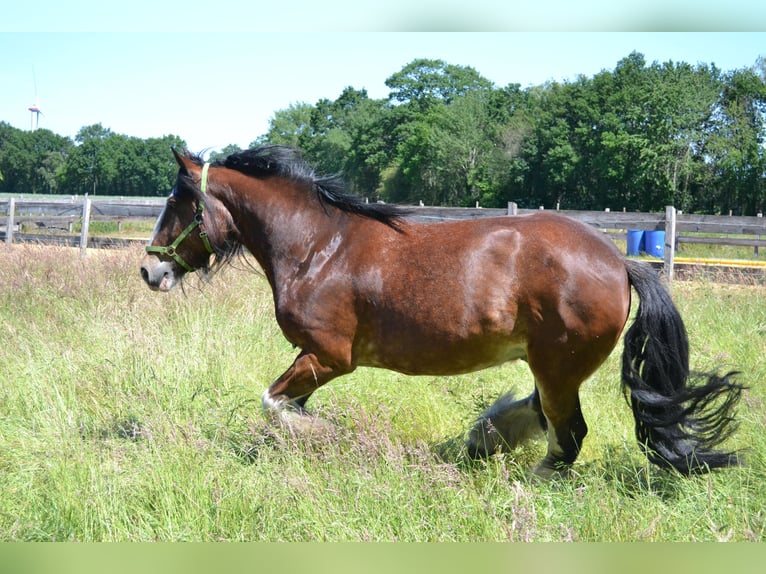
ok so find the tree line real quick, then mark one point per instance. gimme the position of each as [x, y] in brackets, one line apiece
[638, 137]
[98, 162]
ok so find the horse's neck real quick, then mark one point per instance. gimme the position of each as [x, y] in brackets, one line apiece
[282, 225]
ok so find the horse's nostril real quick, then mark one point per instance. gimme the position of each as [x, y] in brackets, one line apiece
[145, 274]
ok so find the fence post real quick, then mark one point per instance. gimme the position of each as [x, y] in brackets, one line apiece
[85, 224]
[9, 220]
[755, 249]
[513, 209]
[670, 241]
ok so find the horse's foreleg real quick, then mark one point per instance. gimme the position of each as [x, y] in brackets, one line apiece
[285, 398]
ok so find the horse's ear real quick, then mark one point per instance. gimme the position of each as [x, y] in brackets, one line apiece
[182, 159]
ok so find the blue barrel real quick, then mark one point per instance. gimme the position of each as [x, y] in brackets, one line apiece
[655, 243]
[635, 241]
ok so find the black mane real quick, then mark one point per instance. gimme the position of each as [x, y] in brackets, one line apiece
[283, 161]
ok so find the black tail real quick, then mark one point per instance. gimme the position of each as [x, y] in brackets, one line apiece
[680, 418]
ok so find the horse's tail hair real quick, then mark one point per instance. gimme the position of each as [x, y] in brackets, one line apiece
[681, 417]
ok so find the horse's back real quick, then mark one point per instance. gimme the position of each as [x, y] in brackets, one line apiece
[539, 248]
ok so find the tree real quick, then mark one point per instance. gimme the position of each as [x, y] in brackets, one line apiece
[735, 148]
[31, 161]
[327, 143]
[106, 163]
[640, 136]
[425, 131]
[287, 126]
[345, 136]
[446, 158]
[423, 82]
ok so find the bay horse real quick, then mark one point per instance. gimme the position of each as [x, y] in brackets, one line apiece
[357, 284]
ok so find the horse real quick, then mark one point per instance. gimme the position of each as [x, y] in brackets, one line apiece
[363, 284]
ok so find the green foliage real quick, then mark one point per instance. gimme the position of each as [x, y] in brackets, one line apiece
[639, 137]
[98, 162]
[226, 151]
[128, 415]
[422, 83]
[31, 162]
[110, 164]
[287, 126]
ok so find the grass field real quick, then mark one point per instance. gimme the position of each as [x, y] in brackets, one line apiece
[131, 415]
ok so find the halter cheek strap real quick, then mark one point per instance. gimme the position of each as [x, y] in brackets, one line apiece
[201, 208]
[170, 250]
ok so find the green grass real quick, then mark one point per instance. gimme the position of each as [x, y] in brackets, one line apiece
[131, 415]
[130, 229]
[138, 229]
[703, 251]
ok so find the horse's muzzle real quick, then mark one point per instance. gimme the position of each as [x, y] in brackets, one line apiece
[159, 275]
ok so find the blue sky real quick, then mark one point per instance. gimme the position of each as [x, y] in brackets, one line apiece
[218, 88]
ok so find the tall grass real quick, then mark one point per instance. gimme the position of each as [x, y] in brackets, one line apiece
[131, 415]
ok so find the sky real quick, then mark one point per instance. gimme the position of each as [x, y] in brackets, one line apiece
[216, 88]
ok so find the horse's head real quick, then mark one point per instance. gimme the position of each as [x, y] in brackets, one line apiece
[180, 242]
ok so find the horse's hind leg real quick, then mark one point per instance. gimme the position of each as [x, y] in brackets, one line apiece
[506, 424]
[566, 431]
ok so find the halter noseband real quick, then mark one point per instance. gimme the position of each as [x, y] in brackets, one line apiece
[170, 250]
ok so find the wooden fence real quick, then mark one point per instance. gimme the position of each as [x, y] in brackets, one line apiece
[60, 216]
[55, 219]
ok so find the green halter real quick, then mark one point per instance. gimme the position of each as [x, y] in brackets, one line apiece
[170, 250]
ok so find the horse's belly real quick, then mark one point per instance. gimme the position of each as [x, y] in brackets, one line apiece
[435, 357]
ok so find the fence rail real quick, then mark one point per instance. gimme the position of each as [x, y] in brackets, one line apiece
[62, 215]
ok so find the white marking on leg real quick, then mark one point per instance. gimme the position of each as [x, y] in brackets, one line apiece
[293, 419]
[270, 404]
